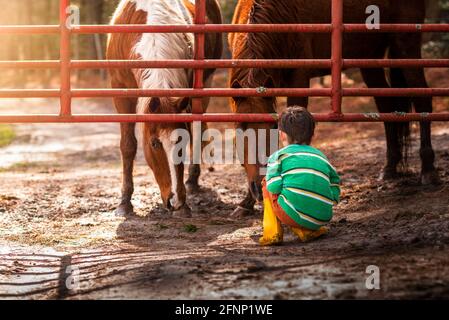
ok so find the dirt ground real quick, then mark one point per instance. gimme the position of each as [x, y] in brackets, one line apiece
[59, 185]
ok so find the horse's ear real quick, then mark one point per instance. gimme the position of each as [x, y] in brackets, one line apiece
[155, 104]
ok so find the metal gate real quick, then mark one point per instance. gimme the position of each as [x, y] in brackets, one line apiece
[337, 28]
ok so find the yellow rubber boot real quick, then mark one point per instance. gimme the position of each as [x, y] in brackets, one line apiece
[306, 235]
[273, 234]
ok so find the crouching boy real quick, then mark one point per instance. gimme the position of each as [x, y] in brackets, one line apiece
[301, 186]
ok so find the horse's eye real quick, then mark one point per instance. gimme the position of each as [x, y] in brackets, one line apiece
[156, 143]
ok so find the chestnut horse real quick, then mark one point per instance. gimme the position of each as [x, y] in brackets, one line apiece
[156, 137]
[318, 46]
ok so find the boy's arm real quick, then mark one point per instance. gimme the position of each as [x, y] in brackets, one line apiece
[335, 185]
[274, 177]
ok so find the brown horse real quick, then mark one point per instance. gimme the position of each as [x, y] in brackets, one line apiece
[156, 137]
[318, 46]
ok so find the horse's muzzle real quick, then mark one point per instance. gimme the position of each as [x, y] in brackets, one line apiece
[173, 203]
[178, 209]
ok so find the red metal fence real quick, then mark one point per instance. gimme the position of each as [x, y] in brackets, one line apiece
[337, 28]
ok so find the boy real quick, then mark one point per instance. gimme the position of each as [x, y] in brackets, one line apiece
[301, 186]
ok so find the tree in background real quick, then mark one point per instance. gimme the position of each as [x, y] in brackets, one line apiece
[437, 44]
[228, 7]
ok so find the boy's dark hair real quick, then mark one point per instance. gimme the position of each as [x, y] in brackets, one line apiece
[299, 125]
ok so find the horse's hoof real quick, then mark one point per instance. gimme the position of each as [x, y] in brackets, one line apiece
[388, 174]
[125, 209]
[192, 187]
[241, 212]
[430, 178]
[184, 212]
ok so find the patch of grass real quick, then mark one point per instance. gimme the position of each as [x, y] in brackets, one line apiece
[190, 228]
[25, 166]
[7, 135]
[7, 198]
[19, 166]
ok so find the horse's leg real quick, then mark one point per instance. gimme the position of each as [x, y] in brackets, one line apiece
[128, 148]
[246, 207]
[401, 104]
[375, 78]
[429, 175]
[406, 47]
[192, 183]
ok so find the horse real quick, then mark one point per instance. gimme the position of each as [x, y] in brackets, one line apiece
[318, 46]
[157, 145]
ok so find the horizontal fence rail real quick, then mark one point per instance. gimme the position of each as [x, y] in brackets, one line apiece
[225, 117]
[227, 63]
[336, 64]
[214, 28]
[198, 93]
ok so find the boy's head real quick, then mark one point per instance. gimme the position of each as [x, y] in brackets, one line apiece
[297, 126]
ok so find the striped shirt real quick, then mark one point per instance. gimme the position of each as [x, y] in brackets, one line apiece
[307, 184]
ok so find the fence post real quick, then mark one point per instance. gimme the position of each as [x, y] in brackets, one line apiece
[337, 54]
[65, 98]
[199, 54]
[198, 82]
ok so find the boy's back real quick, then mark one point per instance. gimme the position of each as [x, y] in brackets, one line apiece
[307, 184]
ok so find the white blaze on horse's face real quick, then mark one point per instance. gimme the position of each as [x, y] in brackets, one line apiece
[159, 148]
[168, 145]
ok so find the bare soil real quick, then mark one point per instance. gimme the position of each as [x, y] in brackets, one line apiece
[59, 185]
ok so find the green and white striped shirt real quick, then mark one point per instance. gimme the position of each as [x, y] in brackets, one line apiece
[307, 184]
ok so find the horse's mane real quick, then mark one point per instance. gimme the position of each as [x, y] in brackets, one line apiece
[268, 45]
